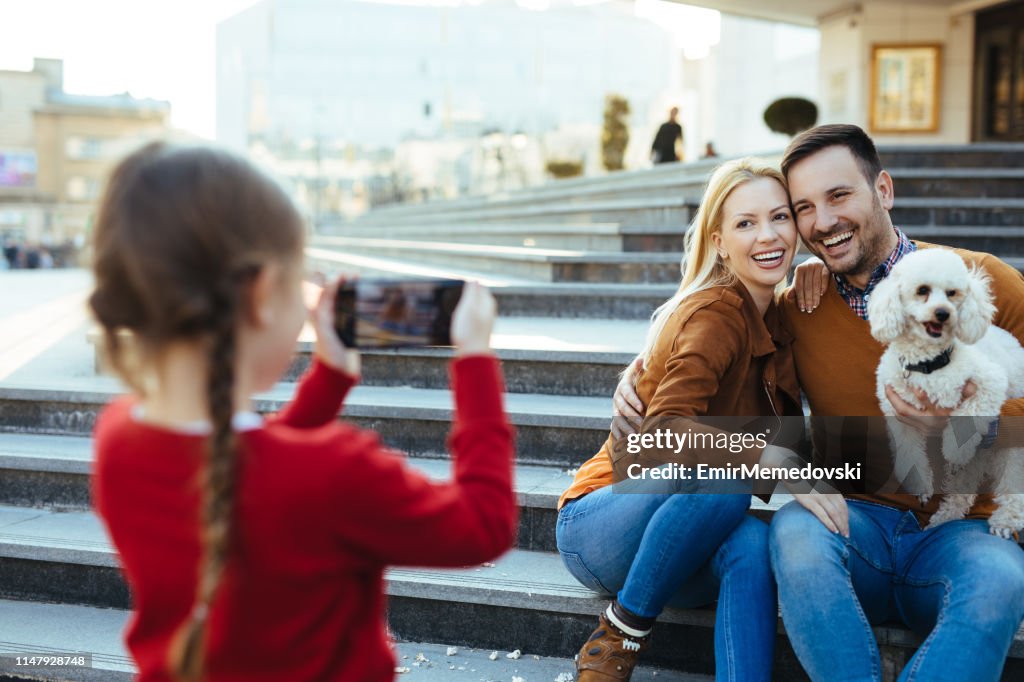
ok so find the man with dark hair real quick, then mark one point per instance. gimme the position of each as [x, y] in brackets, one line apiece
[955, 584]
[843, 564]
[838, 134]
[663, 149]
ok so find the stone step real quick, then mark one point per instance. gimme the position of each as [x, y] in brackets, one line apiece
[582, 237]
[958, 182]
[636, 192]
[657, 182]
[547, 356]
[52, 473]
[998, 240]
[676, 213]
[472, 665]
[64, 629]
[551, 430]
[583, 300]
[645, 211]
[657, 192]
[524, 600]
[517, 297]
[1006, 242]
[29, 628]
[539, 265]
[526, 371]
[978, 155]
[910, 182]
[526, 298]
[958, 211]
[926, 201]
[977, 171]
[981, 201]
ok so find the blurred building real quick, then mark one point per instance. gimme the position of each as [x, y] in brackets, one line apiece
[372, 73]
[56, 149]
[389, 81]
[727, 91]
[923, 72]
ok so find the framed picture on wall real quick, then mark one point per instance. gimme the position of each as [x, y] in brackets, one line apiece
[905, 88]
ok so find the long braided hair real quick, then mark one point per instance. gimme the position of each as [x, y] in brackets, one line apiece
[179, 235]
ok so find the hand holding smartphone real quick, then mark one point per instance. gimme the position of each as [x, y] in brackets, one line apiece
[387, 313]
[473, 320]
[329, 348]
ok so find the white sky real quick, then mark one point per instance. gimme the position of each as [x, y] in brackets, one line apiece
[166, 49]
[150, 48]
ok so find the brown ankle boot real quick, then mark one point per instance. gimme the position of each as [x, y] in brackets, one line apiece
[609, 654]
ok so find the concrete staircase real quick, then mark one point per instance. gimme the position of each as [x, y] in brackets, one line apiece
[58, 569]
[577, 267]
[625, 230]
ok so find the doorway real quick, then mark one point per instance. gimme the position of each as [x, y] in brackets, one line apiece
[999, 74]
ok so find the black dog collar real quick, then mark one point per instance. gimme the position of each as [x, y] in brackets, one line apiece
[933, 365]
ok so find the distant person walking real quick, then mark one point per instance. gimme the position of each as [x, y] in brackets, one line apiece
[663, 149]
[12, 253]
[709, 151]
[31, 256]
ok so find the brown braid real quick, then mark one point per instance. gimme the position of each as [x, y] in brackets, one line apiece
[179, 234]
[188, 651]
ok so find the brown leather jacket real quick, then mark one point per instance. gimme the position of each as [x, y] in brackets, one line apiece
[716, 356]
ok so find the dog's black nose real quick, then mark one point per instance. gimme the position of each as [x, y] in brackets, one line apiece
[941, 314]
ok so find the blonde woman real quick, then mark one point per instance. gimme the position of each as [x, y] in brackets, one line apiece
[716, 348]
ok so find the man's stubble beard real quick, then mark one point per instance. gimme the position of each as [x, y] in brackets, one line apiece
[874, 249]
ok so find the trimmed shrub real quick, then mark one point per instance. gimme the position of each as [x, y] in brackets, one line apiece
[791, 115]
[615, 135]
[563, 168]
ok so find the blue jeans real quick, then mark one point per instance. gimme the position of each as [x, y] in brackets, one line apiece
[956, 585]
[681, 550]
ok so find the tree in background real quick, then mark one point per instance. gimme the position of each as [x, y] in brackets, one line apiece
[791, 115]
[615, 135]
[564, 168]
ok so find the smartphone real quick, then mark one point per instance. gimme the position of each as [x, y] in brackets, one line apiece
[391, 313]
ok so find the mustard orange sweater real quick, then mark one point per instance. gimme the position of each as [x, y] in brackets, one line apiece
[836, 358]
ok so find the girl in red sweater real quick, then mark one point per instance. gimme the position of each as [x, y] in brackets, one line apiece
[255, 548]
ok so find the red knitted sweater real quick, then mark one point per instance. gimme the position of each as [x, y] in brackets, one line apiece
[322, 507]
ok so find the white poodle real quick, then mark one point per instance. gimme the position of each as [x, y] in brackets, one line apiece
[935, 316]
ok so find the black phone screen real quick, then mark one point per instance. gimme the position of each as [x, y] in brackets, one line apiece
[379, 313]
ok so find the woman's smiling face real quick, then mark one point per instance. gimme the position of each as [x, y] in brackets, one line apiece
[757, 239]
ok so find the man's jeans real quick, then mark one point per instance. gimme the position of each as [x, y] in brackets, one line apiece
[682, 550]
[956, 585]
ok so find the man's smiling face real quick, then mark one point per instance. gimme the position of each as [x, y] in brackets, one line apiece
[842, 218]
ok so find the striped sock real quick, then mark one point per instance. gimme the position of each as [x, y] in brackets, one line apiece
[630, 623]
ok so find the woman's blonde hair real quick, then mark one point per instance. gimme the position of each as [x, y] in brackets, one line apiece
[701, 266]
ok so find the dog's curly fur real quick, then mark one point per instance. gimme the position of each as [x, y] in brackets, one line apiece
[931, 302]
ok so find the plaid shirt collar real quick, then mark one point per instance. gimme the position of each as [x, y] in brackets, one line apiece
[856, 298]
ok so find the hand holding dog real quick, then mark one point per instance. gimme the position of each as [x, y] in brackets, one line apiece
[930, 419]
